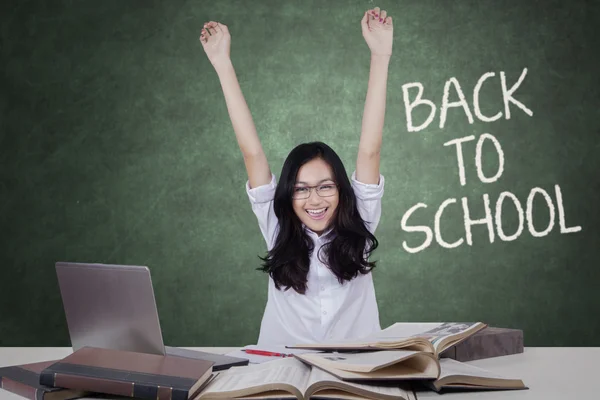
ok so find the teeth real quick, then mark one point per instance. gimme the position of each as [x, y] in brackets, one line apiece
[316, 212]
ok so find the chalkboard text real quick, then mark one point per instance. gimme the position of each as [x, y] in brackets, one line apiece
[478, 163]
[507, 96]
[493, 220]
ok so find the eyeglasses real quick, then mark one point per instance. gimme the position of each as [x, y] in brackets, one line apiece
[303, 192]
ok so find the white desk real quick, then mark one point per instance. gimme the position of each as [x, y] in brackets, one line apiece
[550, 373]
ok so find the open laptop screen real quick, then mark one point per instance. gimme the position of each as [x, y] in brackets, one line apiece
[110, 306]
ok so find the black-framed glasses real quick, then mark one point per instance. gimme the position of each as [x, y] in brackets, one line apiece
[324, 190]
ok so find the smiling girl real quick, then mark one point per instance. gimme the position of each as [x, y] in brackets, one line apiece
[317, 222]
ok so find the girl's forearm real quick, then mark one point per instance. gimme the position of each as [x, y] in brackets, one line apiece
[239, 113]
[255, 160]
[374, 111]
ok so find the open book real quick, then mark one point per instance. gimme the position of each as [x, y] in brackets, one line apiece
[405, 365]
[428, 337]
[292, 379]
[458, 375]
[379, 365]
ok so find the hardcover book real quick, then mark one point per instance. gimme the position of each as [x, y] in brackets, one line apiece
[24, 380]
[130, 374]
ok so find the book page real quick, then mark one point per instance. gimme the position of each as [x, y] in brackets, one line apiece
[283, 371]
[450, 367]
[404, 330]
[437, 334]
[379, 391]
[360, 362]
[395, 332]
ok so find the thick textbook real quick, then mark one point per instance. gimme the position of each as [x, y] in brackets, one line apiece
[24, 380]
[126, 373]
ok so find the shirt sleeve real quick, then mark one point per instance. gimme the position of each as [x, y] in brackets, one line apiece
[261, 200]
[368, 200]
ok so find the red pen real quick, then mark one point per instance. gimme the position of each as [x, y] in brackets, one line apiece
[266, 353]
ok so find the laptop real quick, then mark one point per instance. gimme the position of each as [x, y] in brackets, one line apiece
[113, 306]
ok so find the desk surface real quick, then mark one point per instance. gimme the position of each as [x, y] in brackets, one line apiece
[549, 372]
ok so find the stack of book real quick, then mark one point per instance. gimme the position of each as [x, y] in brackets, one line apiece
[390, 364]
[92, 370]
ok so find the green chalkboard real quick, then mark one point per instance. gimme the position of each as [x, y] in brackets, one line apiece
[116, 147]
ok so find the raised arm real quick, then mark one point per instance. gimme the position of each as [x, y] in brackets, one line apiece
[216, 41]
[377, 31]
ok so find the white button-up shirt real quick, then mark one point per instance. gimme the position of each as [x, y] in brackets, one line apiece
[328, 310]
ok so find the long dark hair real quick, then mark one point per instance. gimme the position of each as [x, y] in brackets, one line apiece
[346, 254]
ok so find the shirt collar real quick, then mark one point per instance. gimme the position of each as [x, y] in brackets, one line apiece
[313, 233]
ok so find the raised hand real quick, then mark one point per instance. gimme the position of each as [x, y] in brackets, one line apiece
[378, 31]
[216, 42]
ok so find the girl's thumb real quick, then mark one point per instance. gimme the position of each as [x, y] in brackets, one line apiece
[363, 21]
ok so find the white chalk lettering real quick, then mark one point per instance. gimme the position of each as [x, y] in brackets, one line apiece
[507, 95]
[424, 229]
[478, 164]
[498, 217]
[489, 218]
[561, 213]
[462, 102]
[507, 98]
[485, 220]
[476, 107]
[459, 156]
[437, 230]
[530, 212]
[410, 106]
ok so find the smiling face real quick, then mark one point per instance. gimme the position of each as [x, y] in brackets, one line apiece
[315, 211]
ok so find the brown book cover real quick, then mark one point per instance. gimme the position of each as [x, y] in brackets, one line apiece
[130, 374]
[24, 380]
